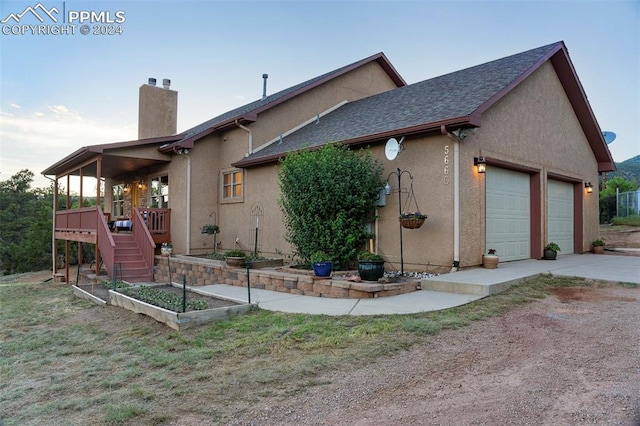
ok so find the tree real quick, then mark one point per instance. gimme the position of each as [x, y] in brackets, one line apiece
[618, 182]
[327, 196]
[25, 225]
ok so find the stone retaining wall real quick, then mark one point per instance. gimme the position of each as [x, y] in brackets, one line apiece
[201, 272]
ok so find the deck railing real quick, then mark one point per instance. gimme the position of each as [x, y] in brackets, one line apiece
[84, 219]
[158, 220]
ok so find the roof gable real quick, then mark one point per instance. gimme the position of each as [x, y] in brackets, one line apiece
[250, 111]
[454, 100]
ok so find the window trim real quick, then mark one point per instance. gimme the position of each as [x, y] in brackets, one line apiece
[232, 173]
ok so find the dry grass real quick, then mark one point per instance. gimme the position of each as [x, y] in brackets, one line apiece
[66, 361]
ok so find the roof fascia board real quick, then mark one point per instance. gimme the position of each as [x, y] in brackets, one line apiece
[380, 58]
[578, 99]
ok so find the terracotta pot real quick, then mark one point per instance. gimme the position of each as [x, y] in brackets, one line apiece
[490, 261]
[597, 249]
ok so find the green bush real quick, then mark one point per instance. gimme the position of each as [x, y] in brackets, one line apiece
[633, 220]
[327, 196]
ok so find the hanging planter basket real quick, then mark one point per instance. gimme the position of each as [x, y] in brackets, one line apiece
[409, 219]
[411, 222]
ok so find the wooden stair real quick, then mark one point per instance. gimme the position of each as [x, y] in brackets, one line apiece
[129, 260]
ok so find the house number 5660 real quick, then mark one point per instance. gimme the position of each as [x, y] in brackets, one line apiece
[446, 165]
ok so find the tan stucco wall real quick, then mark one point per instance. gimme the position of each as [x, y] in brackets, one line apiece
[533, 126]
[214, 154]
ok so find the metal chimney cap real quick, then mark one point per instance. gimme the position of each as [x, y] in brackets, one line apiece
[152, 81]
[166, 83]
[265, 75]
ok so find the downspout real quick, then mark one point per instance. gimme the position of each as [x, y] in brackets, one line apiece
[245, 128]
[456, 205]
[188, 203]
[184, 152]
[456, 197]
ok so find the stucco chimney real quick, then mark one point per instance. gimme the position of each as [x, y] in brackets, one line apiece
[157, 110]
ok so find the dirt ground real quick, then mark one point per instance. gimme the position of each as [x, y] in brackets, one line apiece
[621, 237]
[572, 358]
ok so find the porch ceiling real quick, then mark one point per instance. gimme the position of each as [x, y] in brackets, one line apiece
[112, 165]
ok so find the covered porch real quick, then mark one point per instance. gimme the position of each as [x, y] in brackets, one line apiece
[126, 217]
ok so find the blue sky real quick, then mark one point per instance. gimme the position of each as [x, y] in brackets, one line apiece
[61, 92]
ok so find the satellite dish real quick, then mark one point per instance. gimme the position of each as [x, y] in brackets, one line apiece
[609, 137]
[391, 149]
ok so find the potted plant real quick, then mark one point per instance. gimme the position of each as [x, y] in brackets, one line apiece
[491, 259]
[322, 265]
[166, 249]
[235, 258]
[597, 246]
[209, 229]
[370, 266]
[551, 251]
[412, 220]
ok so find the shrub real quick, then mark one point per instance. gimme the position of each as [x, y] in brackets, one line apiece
[633, 220]
[552, 246]
[370, 257]
[235, 253]
[327, 196]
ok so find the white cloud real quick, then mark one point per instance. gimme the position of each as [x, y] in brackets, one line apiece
[16, 106]
[37, 139]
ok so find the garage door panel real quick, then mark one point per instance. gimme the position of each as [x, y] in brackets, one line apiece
[507, 213]
[560, 215]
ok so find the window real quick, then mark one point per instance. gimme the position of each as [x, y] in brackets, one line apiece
[117, 208]
[160, 192]
[232, 185]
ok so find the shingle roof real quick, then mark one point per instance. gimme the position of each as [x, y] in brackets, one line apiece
[455, 98]
[249, 111]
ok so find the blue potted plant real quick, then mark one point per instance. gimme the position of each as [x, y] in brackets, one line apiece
[322, 264]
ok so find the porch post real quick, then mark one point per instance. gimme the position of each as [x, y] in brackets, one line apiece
[66, 242]
[54, 248]
[98, 212]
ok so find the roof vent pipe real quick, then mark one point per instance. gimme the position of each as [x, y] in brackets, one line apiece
[166, 83]
[264, 86]
[152, 81]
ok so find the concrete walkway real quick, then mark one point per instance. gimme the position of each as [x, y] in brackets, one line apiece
[444, 291]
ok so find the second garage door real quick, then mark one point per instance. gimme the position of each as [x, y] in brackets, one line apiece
[560, 214]
[508, 220]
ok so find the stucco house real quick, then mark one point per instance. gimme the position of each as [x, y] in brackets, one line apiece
[524, 119]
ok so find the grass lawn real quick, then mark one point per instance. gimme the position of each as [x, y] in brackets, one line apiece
[67, 361]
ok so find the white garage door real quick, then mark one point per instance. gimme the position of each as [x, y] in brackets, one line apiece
[507, 213]
[560, 215]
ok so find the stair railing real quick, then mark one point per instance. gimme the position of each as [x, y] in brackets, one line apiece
[143, 238]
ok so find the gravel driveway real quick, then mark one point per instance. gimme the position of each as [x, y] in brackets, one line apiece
[572, 358]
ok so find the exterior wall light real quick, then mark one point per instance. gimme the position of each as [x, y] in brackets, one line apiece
[480, 163]
[589, 187]
[141, 184]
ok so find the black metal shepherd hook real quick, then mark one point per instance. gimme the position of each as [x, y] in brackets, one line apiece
[399, 174]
